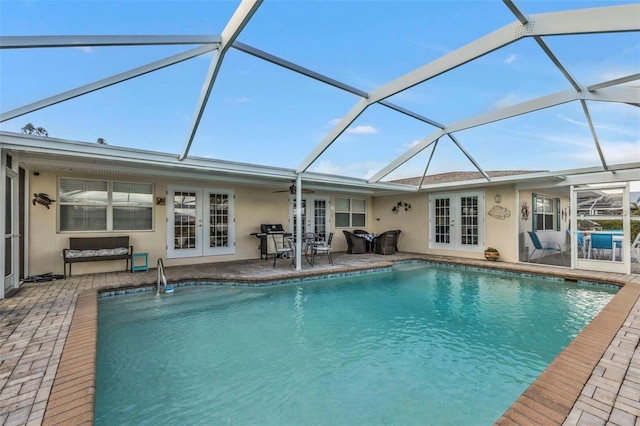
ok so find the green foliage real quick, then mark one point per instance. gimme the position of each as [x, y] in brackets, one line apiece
[616, 224]
[30, 129]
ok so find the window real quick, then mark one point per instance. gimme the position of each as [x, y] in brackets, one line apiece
[100, 205]
[351, 213]
[545, 217]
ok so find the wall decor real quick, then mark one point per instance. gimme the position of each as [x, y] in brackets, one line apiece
[399, 206]
[42, 199]
[499, 212]
[161, 201]
[524, 211]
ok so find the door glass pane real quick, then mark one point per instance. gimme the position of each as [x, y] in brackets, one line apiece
[469, 220]
[184, 212]
[8, 227]
[442, 220]
[320, 219]
[219, 220]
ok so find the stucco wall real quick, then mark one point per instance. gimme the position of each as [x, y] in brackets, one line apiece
[412, 223]
[253, 206]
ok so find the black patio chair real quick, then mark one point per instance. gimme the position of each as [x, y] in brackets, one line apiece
[385, 243]
[355, 244]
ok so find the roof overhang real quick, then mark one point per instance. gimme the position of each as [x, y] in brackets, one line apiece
[45, 153]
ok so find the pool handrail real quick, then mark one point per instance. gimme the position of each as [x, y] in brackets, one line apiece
[161, 274]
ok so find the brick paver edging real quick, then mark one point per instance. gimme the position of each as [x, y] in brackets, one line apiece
[552, 396]
[73, 393]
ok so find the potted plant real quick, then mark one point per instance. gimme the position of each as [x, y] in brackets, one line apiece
[491, 253]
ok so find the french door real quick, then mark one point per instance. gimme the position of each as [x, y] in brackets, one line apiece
[200, 222]
[456, 221]
[314, 216]
[11, 228]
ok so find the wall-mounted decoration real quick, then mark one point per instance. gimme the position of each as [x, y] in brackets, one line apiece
[499, 212]
[565, 214]
[161, 201]
[524, 211]
[42, 199]
[400, 206]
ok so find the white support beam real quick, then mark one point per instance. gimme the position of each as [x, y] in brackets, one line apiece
[469, 157]
[106, 82]
[586, 21]
[236, 24]
[337, 130]
[467, 53]
[543, 102]
[297, 68]
[39, 42]
[593, 133]
[614, 82]
[407, 155]
[426, 168]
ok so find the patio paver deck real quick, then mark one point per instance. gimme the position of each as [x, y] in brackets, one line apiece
[48, 337]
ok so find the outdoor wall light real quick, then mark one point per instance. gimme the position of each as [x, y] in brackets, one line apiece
[498, 198]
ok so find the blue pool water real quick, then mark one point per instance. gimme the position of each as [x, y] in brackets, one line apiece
[421, 344]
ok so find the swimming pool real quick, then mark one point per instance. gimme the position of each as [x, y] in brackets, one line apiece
[420, 344]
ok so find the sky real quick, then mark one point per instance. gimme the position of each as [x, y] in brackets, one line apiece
[263, 114]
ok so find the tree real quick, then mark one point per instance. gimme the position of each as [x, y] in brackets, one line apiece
[635, 207]
[101, 141]
[30, 129]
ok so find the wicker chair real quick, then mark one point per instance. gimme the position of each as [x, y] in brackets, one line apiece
[355, 244]
[385, 242]
[395, 242]
[369, 243]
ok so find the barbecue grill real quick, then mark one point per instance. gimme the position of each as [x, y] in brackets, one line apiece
[266, 236]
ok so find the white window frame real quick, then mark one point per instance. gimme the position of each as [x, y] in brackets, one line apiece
[109, 206]
[555, 213]
[350, 212]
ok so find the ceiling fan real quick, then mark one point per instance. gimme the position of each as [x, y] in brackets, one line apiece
[292, 189]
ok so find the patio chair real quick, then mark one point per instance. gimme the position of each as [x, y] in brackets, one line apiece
[355, 244]
[395, 242]
[369, 243]
[283, 250]
[322, 248]
[600, 243]
[553, 248]
[385, 243]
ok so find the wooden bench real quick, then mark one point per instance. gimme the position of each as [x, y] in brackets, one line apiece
[96, 249]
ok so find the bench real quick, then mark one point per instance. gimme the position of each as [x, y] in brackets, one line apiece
[96, 249]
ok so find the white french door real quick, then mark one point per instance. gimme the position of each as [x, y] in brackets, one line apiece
[315, 216]
[200, 222]
[456, 221]
[10, 231]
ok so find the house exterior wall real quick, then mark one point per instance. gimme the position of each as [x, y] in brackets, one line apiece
[413, 223]
[253, 206]
[499, 233]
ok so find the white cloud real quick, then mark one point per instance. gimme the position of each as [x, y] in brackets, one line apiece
[86, 49]
[360, 130]
[511, 59]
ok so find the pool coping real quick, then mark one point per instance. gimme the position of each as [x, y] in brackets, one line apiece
[559, 393]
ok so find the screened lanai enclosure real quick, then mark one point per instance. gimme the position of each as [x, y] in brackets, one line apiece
[373, 97]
